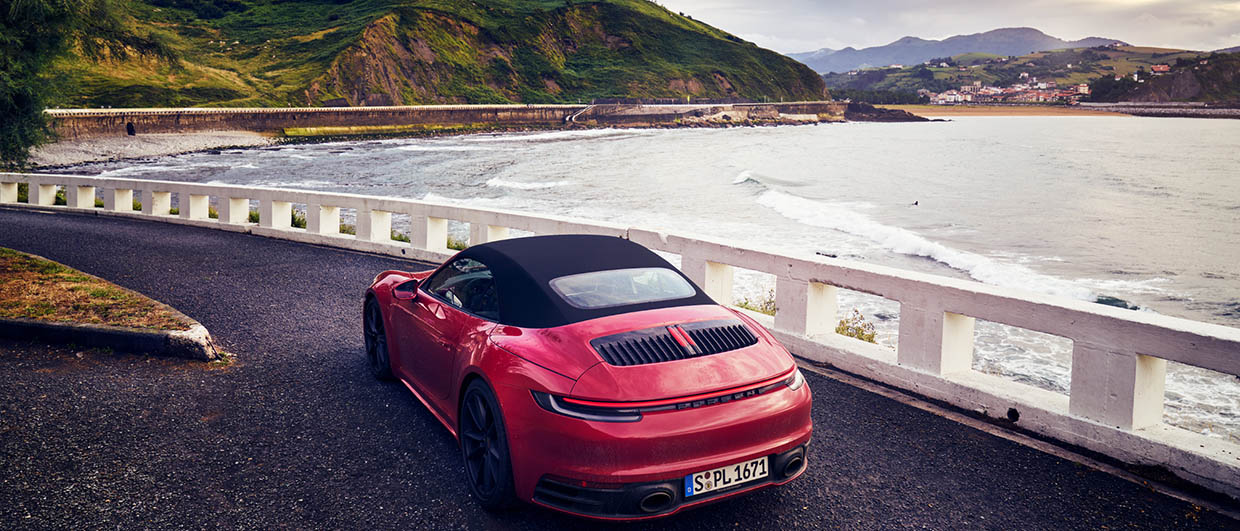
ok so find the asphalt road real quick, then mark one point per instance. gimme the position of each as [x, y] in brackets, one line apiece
[296, 434]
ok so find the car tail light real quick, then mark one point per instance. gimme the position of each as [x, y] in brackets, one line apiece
[795, 381]
[632, 411]
[557, 404]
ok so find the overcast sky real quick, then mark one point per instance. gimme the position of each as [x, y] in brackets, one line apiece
[805, 25]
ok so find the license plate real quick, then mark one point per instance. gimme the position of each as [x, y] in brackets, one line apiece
[726, 476]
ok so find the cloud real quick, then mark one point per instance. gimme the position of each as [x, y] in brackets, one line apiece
[791, 25]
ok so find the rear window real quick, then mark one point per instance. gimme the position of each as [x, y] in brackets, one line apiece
[621, 287]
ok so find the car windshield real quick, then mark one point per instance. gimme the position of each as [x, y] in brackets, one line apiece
[620, 287]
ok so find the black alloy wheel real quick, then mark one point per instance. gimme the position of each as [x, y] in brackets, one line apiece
[484, 446]
[376, 341]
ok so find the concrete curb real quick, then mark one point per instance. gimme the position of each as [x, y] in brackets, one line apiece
[194, 343]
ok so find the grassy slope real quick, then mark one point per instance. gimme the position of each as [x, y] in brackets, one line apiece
[1087, 64]
[268, 52]
[1217, 81]
[33, 288]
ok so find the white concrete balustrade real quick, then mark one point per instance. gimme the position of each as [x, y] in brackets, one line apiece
[1115, 405]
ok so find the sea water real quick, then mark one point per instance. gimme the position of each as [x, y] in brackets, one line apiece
[1144, 210]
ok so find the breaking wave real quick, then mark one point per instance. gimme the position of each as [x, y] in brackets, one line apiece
[142, 169]
[745, 176]
[434, 147]
[504, 183]
[469, 201]
[555, 135]
[895, 239]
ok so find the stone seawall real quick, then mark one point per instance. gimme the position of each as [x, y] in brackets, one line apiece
[707, 115]
[74, 124]
[79, 124]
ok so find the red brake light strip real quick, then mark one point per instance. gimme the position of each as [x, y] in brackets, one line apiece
[673, 401]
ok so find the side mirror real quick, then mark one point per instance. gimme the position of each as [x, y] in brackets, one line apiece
[406, 292]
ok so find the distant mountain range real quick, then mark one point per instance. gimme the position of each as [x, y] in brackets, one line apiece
[1233, 49]
[912, 50]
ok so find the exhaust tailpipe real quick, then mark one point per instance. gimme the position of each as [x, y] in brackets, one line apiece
[793, 466]
[657, 501]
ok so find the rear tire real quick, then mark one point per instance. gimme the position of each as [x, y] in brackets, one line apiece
[484, 448]
[376, 341]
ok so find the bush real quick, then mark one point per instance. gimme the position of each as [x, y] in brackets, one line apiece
[856, 326]
[764, 305]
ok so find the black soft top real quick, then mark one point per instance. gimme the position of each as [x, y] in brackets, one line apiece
[524, 267]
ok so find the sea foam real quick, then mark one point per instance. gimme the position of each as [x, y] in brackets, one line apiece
[440, 147]
[903, 241]
[504, 183]
[745, 176]
[142, 169]
[555, 135]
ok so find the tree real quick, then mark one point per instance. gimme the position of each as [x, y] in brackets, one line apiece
[32, 34]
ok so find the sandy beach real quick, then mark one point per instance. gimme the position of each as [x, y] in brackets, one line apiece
[69, 152]
[949, 111]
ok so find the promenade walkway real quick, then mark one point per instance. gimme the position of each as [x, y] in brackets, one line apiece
[297, 434]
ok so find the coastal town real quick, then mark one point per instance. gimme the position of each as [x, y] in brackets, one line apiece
[1028, 90]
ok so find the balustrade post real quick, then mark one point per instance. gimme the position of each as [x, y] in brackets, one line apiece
[274, 214]
[321, 219]
[8, 192]
[807, 308]
[482, 233]
[429, 233]
[374, 225]
[714, 278]
[194, 206]
[42, 194]
[1118, 389]
[80, 196]
[234, 210]
[935, 341]
[157, 204]
[118, 200]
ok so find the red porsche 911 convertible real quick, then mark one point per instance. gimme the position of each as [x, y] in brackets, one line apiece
[588, 375]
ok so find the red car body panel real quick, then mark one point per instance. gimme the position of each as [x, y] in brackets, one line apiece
[436, 349]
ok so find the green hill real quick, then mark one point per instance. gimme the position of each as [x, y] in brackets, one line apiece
[306, 52]
[1214, 79]
[1071, 66]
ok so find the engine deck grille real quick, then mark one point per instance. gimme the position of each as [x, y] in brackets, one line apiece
[656, 345]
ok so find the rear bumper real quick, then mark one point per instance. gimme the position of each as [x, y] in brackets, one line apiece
[654, 499]
[621, 463]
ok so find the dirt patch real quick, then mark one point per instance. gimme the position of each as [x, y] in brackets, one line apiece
[34, 288]
[692, 86]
